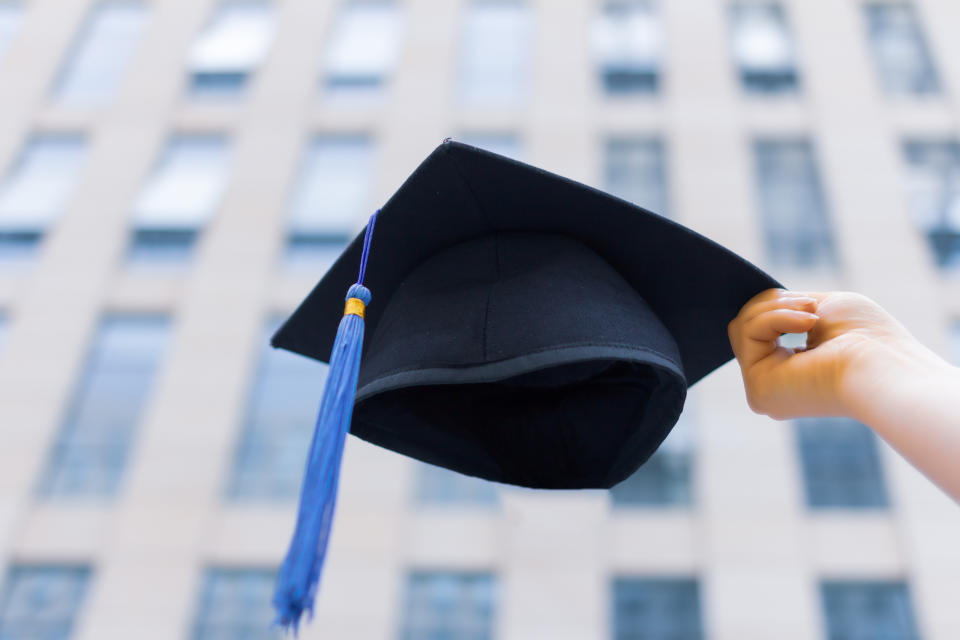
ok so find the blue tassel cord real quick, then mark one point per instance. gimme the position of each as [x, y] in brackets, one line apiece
[299, 575]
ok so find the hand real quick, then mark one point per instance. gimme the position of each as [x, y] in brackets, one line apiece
[851, 341]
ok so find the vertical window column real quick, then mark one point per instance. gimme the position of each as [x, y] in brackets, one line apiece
[763, 48]
[627, 43]
[89, 455]
[100, 58]
[230, 49]
[35, 191]
[795, 222]
[178, 199]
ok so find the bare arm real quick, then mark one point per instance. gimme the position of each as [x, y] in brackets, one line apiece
[859, 362]
[912, 400]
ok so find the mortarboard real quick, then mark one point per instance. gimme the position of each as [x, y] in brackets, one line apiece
[527, 329]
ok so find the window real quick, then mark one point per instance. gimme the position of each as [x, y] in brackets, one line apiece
[861, 609]
[89, 455]
[899, 51]
[363, 48]
[841, 464]
[627, 44]
[235, 604]
[10, 16]
[933, 178]
[281, 413]
[796, 228]
[41, 601]
[439, 486]
[656, 609]
[504, 144]
[330, 199]
[763, 48]
[635, 171]
[494, 63]
[666, 478]
[230, 48]
[178, 198]
[100, 58]
[35, 191]
[445, 604]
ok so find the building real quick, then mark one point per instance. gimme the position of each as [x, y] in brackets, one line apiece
[175, 176]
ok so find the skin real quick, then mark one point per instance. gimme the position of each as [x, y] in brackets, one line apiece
[859, 362]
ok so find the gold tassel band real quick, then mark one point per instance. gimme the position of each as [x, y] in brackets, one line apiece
[354, 306]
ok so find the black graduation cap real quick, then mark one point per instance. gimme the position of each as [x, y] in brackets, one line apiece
[525, 328]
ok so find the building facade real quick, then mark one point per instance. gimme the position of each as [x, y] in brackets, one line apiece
[175, 176]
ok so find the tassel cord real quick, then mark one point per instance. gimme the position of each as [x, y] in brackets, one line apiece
[299, 575]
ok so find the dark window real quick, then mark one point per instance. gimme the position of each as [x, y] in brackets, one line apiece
[89, 455]
[235, 604]
[656, 609]
[439, 486]
[363, 48]
[99, 59]
[665, 479]
[35, 190]
[841, 464]
[861, 610]
[635, 171]
[627, 42]
[230, 48]
[330, 199]
[281, 412]
[763, 48]
[41, 601]
[934, 196]
[899, 51]
[795, 221]
[449, 605]
[177, 199]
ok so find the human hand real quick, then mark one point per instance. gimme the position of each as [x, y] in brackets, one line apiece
[854, 347]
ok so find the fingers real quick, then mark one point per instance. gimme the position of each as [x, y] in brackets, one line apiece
[764, 302]
[758, 336]
[797, 301]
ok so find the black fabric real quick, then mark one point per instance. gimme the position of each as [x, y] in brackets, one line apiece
[526, 328]
[523, 358]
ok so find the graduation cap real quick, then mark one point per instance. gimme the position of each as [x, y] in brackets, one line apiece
[527, 329]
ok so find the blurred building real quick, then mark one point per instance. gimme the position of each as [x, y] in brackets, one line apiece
[175, 176]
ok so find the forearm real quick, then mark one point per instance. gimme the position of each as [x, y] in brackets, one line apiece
[911, 399]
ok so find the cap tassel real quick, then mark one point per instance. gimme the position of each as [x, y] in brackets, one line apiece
[300, 573]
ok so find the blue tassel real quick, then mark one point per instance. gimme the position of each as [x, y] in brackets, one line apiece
[299, 576]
